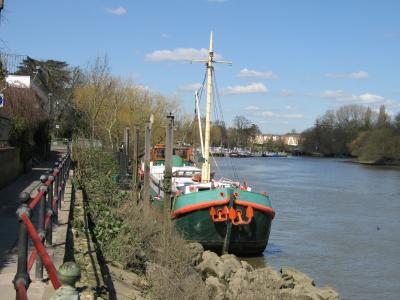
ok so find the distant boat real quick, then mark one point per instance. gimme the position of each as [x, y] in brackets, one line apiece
[275, 154]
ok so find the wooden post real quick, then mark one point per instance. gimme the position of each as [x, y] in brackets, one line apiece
[126, 141]
[169, 145]
[124, 157]
[135, 160]
[147, 145]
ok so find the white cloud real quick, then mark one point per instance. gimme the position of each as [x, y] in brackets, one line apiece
[180, 54]
[252, 108]
[354, 75]
[255, 111]
[286, 93]
[369, 98]
[333, 94]
[119, 11]
[339, 95]
[294, 116]
[392, 104]
[268, 114]
[246, 73]
[164, 35]
[252, 88]
[191, 87]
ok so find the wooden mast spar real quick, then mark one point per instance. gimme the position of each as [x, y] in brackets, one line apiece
[205, 170]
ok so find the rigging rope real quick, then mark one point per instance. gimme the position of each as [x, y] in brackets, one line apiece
[195, 108]
[218, 101]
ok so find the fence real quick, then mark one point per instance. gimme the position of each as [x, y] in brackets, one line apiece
[11, 62]
[48, 198]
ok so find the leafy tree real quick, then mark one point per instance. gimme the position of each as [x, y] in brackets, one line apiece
[335, 130]
[368, 119]
[269, 145]
[107, 105]
[245, 131]
[396, 123]
[60, 80]
[28, 129]
[383, 118]
[95, 91]
[378, 145]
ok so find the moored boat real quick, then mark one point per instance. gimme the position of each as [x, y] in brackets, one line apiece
[204, 216]
[223, 215]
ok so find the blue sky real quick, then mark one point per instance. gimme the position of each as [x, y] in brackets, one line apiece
[292, 60]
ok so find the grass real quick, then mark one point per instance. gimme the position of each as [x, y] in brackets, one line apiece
[133, 235]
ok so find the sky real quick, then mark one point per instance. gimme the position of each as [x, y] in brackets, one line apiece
[292, 59]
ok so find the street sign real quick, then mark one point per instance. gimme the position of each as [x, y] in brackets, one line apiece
[1, 100]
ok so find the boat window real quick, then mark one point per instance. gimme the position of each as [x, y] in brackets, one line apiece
[183, 154]
[204, 188]
[160, 153]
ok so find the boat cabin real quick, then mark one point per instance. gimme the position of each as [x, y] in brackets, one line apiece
[182, 155]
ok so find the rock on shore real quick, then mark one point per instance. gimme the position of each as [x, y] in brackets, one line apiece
[226, 277]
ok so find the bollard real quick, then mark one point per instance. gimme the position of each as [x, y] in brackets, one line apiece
[49, 231]
[65, 175]
[41, 217]
[69, 273]
[55, 193]
[61, 180]
[64, 163]
[22, 275]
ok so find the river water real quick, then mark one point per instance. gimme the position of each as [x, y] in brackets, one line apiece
[336, 221]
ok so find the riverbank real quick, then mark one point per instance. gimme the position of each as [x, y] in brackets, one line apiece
[207, 275]
[379, 162]
[226, 277]
[389, 163]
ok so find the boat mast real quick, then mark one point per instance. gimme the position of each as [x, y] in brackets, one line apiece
[205, 170]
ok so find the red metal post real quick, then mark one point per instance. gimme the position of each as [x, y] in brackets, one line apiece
[21, 290]
[50, 268]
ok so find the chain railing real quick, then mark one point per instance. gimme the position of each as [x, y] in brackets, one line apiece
[48, 198]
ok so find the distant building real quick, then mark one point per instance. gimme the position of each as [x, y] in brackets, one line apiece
[291, 139]
[263, 138]
[26, 82]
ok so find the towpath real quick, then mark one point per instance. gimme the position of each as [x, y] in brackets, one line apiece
[9, 223]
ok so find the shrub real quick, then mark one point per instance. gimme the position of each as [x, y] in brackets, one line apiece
[134, 235]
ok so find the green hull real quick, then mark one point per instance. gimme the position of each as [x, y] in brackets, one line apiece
[192, 218]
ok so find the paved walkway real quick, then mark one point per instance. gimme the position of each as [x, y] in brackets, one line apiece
[9, 223]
